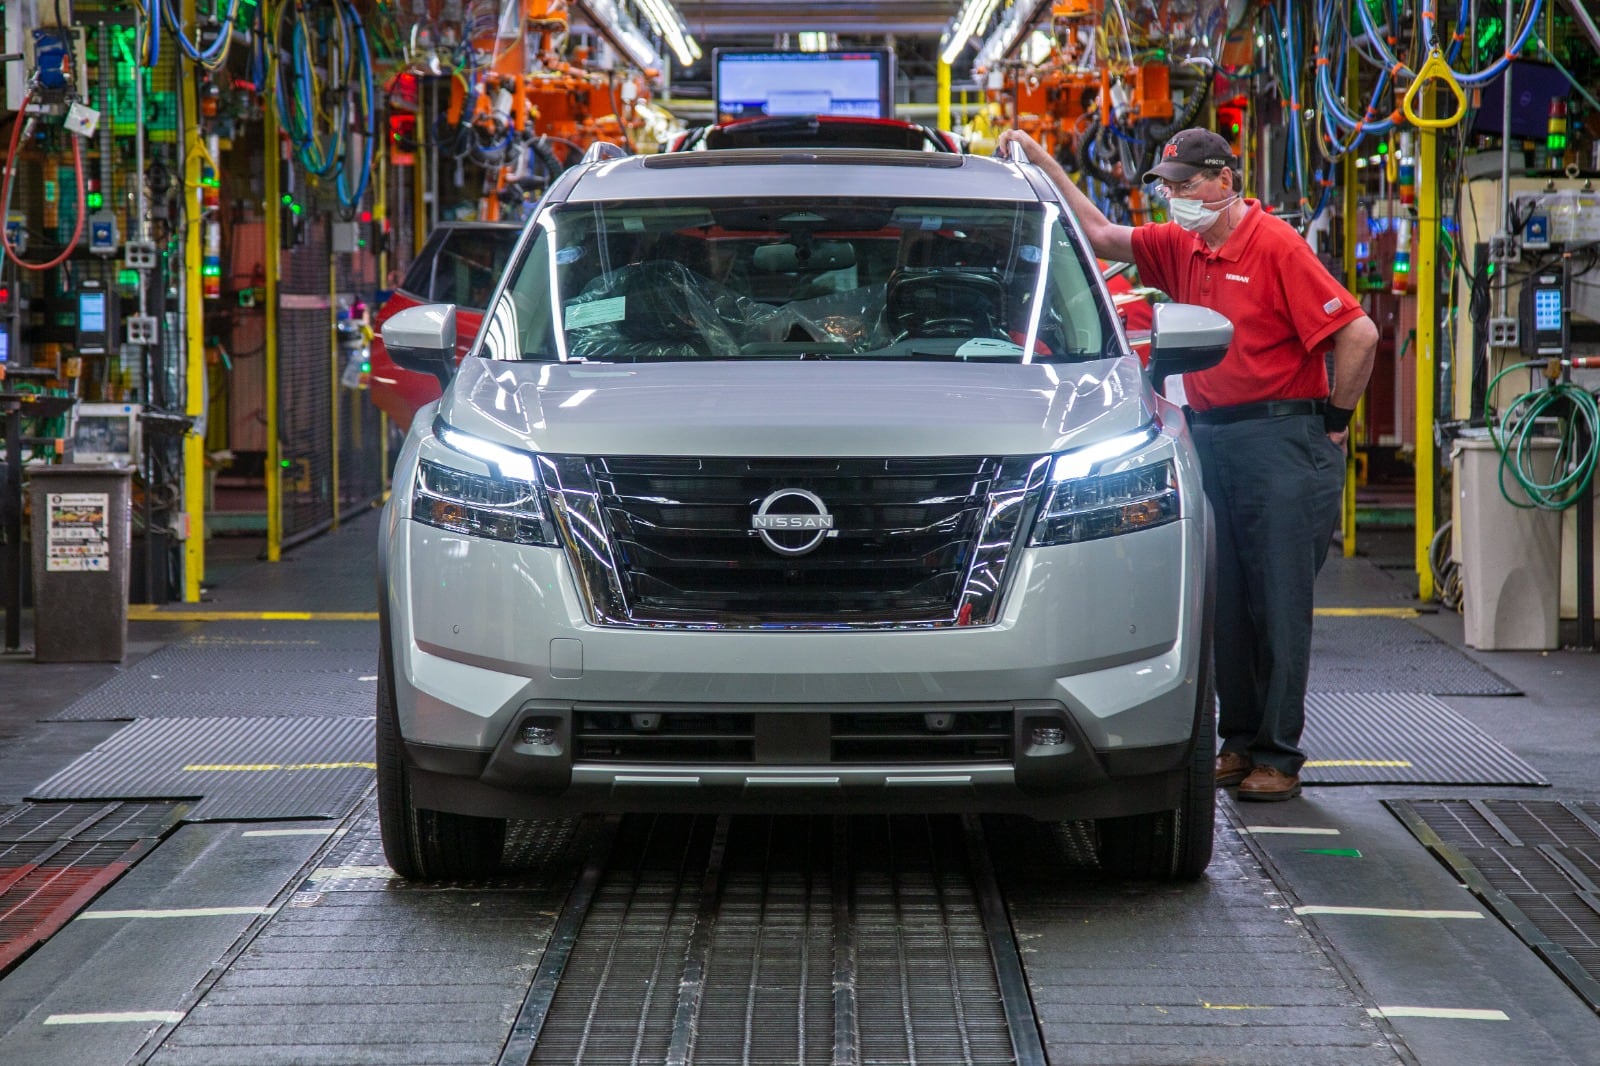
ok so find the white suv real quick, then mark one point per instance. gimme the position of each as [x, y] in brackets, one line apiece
[815, 480]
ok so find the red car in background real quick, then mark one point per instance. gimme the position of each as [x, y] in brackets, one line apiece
[459, 264]
[1133, 306]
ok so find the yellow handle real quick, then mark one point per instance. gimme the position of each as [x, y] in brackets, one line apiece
[1435, 69]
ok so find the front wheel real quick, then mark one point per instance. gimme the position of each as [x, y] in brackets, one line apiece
[1170, 845]
[420, 844]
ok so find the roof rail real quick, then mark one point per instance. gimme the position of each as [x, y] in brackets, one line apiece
[603, 150]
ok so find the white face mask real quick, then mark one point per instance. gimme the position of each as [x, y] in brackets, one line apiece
[1194, 215]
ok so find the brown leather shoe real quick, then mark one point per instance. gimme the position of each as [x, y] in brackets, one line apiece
[1231, 768]
[1269, 783]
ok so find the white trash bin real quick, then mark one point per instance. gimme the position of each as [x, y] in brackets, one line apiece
[1510, 556]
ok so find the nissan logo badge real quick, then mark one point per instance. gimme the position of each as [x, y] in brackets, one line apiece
[786, 529]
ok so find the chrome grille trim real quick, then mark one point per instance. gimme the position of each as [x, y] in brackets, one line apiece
[962, 539]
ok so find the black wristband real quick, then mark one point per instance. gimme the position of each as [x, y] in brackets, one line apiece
[1336, 419]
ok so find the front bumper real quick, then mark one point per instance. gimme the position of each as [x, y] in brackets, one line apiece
[1100, 640]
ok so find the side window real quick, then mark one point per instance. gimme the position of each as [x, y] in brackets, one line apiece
[469, 264]
[419, 276]
[1073, 310]
[521, 326]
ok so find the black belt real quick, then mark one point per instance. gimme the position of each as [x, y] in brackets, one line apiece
[1217, 416]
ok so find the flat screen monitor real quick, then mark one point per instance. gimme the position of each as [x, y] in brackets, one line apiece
[105, 433]
[1533, 86]
[751, 84]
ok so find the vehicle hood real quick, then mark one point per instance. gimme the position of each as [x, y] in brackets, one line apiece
[794, 408]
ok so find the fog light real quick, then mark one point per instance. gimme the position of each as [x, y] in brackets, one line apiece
[538, 736]
[1049, 736]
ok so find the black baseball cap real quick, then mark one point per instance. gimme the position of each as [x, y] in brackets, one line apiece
[1188, 153]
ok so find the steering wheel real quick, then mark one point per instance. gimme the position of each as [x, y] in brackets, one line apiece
[946, 302]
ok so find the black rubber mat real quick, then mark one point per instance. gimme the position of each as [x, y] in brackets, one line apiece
[1534, 863]
[1376, 654]
[239, 769]
[1401, 738]
[213, 675]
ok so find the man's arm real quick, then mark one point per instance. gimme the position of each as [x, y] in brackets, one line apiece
[1354, 346]
[1109, 240]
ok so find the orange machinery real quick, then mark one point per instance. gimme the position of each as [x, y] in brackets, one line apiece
[530, 91]
[1059, 98]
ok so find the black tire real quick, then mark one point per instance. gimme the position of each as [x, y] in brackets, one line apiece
[424, 845]
[1170, 845]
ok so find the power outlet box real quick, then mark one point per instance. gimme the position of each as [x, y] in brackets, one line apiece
[1503, 333]
[139, 255]
[1505, 249]
[141, 329]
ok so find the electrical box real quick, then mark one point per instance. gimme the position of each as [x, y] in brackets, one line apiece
[94, 327]
[141, 329]
[103, 233]
[1542, 318]
[347, 236]
[140, 255]
[17, 231]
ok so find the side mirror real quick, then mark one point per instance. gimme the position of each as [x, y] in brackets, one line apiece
[1185, 338]
[424, 339]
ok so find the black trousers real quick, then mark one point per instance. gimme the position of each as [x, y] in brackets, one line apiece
[1276, 486]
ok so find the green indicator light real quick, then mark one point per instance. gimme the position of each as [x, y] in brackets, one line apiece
[286, 463]
[95, 201]
[127, 277]
[288, 199]
[211, 271]
[295, 208]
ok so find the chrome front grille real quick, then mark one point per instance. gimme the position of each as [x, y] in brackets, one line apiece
[665, 541]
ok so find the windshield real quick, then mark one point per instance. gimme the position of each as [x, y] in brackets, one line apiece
[808, 279]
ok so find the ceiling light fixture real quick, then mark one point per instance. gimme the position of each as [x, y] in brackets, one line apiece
[973, 16]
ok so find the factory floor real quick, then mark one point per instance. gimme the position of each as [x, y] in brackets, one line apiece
[190, 874]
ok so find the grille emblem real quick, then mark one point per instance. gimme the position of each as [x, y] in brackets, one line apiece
[800, 523]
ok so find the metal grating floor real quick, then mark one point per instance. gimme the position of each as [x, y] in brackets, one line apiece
[227, 677]
[787, 939]
[1535, 863]
[1392, 655]
[55, 858]
[241, 768]
[1401, 738]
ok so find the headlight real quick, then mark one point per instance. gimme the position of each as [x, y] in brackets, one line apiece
[1109, 505]
[500, 507]
[1081, 507]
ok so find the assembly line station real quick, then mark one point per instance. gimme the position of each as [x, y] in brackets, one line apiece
[210, 210]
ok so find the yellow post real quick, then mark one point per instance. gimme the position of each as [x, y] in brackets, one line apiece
[194, 349]
[944, 94]
[1352, 281]
[274, 264]
[1427, 275]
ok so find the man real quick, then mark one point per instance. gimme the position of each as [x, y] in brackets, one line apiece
[1269, 431]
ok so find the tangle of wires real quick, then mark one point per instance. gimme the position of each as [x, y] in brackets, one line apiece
[317, 42]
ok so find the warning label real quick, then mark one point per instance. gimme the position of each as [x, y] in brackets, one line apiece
[78, 534]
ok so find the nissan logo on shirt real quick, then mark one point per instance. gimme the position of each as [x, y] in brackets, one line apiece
[793, 522]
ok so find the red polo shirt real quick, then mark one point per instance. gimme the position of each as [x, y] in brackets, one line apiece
[1283, 303]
